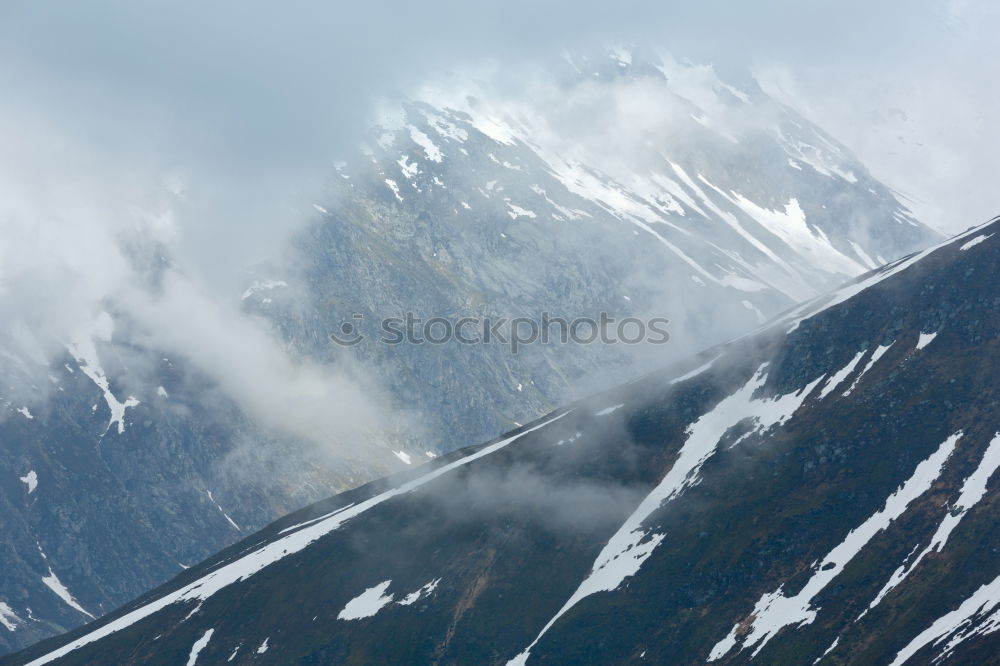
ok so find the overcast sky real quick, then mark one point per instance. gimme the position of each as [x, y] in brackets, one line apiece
[247, 89]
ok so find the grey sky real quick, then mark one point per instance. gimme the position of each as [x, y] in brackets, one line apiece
[268, 91]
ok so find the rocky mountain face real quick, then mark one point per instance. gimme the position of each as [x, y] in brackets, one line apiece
[111, 483]
[823, 491]
[683, 197]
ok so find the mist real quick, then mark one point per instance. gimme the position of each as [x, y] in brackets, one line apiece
[152, 152]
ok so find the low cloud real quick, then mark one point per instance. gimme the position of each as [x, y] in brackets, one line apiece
[240, 352]
[86, 229]
[152, 151]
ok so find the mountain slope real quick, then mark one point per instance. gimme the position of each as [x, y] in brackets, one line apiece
[113, 485]
[823, 490]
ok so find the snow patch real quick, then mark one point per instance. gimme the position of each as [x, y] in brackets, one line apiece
[368, 603]
[315, 520]
[424, 591]
[516, 212]
[198, 646]
[394, 187]
[879, 351]
[570, 440]
[226, 515]
[433, 153]
[741, 283]
[975, 241]
[621, 55]
[925, 339]
[31, 480]
[53, 583]
[84, 350]
[445, 127]
[840, 376]
[833, 646]
[8, 618]
[694, 373]
[791, 227]
[409, 170]
[262, 285]
[867, 260]
[494, 129]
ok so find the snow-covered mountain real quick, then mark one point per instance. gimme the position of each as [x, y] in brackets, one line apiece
[677, 195]
[823, 491]
[680, 195]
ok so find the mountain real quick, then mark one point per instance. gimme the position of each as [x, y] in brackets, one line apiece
[132, 467]
[679, 195]
[822, 491]
[682, 196]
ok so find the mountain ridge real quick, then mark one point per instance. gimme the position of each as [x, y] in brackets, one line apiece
[755, 458]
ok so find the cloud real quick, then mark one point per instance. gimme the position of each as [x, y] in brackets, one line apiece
[152, 151]
[916, 111]
[252, 100]
[240, 352]
[86, 228]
